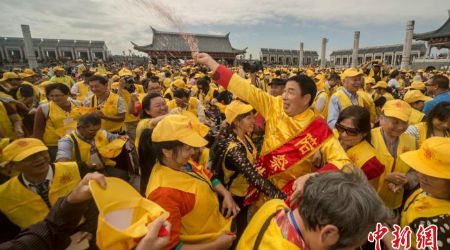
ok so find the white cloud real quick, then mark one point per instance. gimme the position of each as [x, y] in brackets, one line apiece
[120, 21]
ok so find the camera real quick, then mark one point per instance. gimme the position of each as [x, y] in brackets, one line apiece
[252, 67]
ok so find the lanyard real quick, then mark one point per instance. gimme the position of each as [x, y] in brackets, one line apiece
[194, 175]
[294, 223]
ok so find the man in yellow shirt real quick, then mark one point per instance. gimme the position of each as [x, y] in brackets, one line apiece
[293, 133]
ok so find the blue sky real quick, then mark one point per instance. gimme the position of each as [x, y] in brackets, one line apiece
[253, 24]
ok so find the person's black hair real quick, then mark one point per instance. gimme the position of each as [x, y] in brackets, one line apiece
[89, 119]
[167, 74]
[180, 93]
[204, 83]
[100, 79]
[87, 74]
[278, 72]
[278, 82]
[145, 83]
[149, 152]
[335, 76]
[148, 74]
[360, 118]
[395, 73]
[307, 86]
[441, 81]
[145, 105]
[154, 79]
[442, 112]
[61, 87]
[430, 68]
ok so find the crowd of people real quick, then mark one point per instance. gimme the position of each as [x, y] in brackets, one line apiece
[205, 156]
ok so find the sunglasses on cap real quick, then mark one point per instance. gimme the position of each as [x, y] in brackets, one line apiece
[350, 131]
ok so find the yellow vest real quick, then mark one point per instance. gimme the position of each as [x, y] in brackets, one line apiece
[192, 107]
[24, 207]
[324, 112]
[416, 116]
[170, 92]
[100, 141]
[239, 184]
[345, 101]
[126, 97]
[361, 153]
[421, 205]
[272, 238]
[83, 91]
[109, 108]
[368, 104]
[205, 222]
[405, 143]
[59, 122]
[5, 123]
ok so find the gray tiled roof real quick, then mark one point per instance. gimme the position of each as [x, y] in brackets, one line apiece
[172, 41]
[443, 31]
[44, 42]
[380, 49]
[290, 52]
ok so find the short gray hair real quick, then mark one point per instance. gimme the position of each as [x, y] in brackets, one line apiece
[343, 199]
[89, 119]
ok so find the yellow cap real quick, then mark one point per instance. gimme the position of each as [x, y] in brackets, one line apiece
[80, 60]
[398, 109]
[413, 96]
[417, 85]
[22, 148]
[180, 128]
[369, 80]
[115, 77]
[310, 73]
[100, 74]
[380, 84]
[179, 83]
[136, 70]
[431, 158]
[125, 72]
[351, 72]
[112, 149]
[24, 75]
[420, 71]
[57, 68]
[236, 108]
[123, 218]
[29, 71]
[9, 75]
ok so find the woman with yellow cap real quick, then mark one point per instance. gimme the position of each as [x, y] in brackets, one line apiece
[184, 189]
[437, 123]
[234, 156]
[353, 127]
[56, 118]
[427, 210]
[417, 100]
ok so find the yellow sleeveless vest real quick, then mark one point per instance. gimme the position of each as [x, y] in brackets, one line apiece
[59, 123]
[406, 143]
[416, 116]
[368, 104]
[204, 223]
[126, 97]
[100, 141]
[23, 207]
[273, 238]
[109, 108]
[345, 101]
[421, 205]
[168, 91]
[83, 91]
[361, 153]
[192, 107]
[239, 185]
[324, 113]
[5, 124]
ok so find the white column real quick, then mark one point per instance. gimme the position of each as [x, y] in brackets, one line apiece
[407, 45]
[428, 51]
[323, 61]
[355, 49]
[300, 56]
[28, 46]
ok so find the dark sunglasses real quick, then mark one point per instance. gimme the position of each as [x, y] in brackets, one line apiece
[350, 131]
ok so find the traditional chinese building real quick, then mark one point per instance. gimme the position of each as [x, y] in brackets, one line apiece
[439, 38]
[171, 45]
[288, 56]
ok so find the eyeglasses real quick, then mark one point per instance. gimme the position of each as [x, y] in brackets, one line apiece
[350, 131]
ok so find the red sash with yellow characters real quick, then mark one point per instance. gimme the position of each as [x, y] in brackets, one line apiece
[289, 154]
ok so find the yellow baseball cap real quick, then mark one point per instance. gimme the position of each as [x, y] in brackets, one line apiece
[417, 85]
[369, 80]
[24, 75]
[179, 83]
[80, 60]
[9, 75]
[413, 96]
[115, 77]
[22, 148]
[180, 128]
[29, 71]
[57, 68]
[125, 72]
[420, 71]
[310, 73]
[351, 72]
[431, 158]
[123, 218]
[398, 109]
[380, 84]
[236, 108]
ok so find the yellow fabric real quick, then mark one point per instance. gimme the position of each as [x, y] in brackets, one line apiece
[126, 98]
[192, 106]
[361, 153]
[109, 108]
[100, 141]
[167, 83]
[36, 92]
[240, 184]
[368, 104]
[204, 157]
[413, 96]
[345, 101]
[22, 148]
[351, 72]
[193, 230]
[141, 212]
[83, 90]
[324, 112]
[142, 124]
[208, 96]
[59, 122]
[273, 238]
[416, 116]
[23, 207]
[6, 126]
[236, 108]
[421, 205]
[281, 128]
[170, 92]
[62, 79]
[398, 109]
[405, 143]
